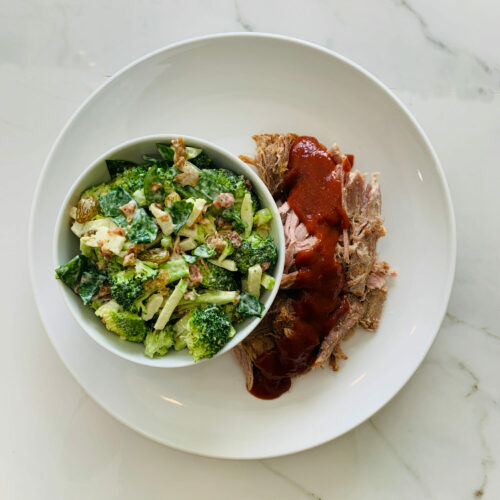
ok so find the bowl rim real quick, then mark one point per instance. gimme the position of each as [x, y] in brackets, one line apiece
[62, 225]
[249, 36]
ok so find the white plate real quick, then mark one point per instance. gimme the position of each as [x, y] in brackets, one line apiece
[225, 88]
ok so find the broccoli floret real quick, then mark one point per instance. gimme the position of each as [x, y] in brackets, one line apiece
[143, 272]
[157, 343]
[202, 160]
[131, 179]
[233, 215]
[207, 331]
[125, 288]
[255, 250]
[218, 278]
[127, 325]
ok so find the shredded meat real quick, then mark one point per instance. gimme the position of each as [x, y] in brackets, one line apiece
[372, 309]
[271, 159]
[287, 280]
[339, 331]
[356, 251]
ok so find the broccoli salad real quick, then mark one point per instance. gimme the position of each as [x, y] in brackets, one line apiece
[174, 251]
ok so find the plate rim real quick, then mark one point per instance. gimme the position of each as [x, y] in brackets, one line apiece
[452, 237]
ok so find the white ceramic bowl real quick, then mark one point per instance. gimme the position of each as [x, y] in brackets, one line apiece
[66, 245]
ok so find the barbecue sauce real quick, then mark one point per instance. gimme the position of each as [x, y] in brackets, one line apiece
[315, 195]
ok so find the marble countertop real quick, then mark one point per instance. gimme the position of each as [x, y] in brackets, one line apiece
[439, 438]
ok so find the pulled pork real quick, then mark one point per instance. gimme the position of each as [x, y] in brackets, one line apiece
[356, 251]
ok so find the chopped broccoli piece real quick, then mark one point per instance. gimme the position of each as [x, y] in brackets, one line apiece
[127, 325]
[218, 278]
[267, 281]
[176, 269]
[218, 297]
[125, 288]
[166, 242]
[202, 160]
[263, 216]
[144, 272]
[233, 215]
[248, 306]
[158, 342]
[207, 331]
[255, 250]
[247, 214]
[171, 303]
[116, 167]
[131, 179]
[192, 152]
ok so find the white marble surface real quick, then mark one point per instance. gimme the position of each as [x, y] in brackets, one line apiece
[440, 437]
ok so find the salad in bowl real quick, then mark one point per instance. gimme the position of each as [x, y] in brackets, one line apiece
[177, 252]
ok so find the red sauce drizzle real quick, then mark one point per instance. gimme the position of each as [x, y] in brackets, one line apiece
[314, 193]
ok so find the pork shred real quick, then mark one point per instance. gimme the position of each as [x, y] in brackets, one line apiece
[356, 252]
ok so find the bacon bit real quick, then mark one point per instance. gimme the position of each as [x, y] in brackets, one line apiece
[128, 210]
[157, 205]
[179, 153]
[129, 259]
[189, 295]
[195, 274]
[225, 200]
[248, 184]
[117, 230]
[155, 186]
[265, 266]
[235, 239]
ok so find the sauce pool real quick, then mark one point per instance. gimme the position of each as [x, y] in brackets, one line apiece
[315, 195]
